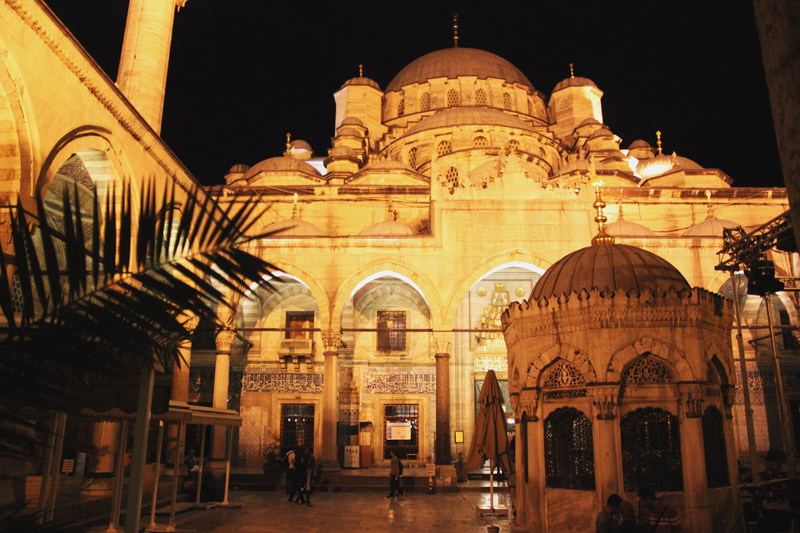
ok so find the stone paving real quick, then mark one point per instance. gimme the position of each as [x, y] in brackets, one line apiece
[347, 512]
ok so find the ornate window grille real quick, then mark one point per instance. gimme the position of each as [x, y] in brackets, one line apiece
[480, 97]
[443, 148]
[425, 102]
[298, 323]
[406, 414]
[297, 426]
[452, 98]
[401, 107]
[412, 157]
[651, 450]
[568, 450]
[389, 340]
[647, 370]
[480, 142]
[512, 146]
[563, 374]
[506, 101]
[715, 450]
[450, 180]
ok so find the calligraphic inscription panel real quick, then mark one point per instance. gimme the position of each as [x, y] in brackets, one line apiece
[401, 380]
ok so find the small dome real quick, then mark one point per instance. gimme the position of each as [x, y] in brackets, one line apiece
[609, 267]
[387, 228]
[282, 164]
[349, 130]
[662, 164]
[623, 228]
[710, 227]
[352, 121]
[362, 81]
[239, 168]
[451, 63]
[589, 122]
[574, 82]
[293, 228]
[466, 116]
[639, 143]
[300, 144]
[601, 132]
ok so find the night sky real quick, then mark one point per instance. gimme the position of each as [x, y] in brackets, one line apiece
[244, 72]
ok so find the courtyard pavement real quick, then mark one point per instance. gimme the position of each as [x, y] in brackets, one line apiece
[335, 512]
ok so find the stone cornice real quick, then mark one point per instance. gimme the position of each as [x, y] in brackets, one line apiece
[78, 61]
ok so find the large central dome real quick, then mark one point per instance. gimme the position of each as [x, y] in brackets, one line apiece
[453, 62]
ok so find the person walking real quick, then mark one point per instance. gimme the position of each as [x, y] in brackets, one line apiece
[291, 484]
[300, 476]
[303, 476]
[394, 475]
[661, 517]
[607, 518]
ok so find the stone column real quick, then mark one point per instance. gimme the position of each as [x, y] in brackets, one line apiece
[100, 471]
[221, 373]
[533, 508]
[693, 458]
[330, 402]
[606, 428]
[180, 387]
[442, 441]
[142, 76]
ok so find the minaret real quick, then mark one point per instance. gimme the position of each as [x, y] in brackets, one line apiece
[143, 65]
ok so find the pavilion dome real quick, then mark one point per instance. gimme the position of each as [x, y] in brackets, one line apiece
[294, 227]
[387, 228]
[609, 267]
[624, 228]
[451, 63]
[710, 227]
[282, 164]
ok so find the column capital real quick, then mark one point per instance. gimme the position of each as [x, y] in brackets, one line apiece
[691, 400]
[441, 341]
[443, 355]
[330, 342]
[605, 402]
[224, 341]
[529, 403]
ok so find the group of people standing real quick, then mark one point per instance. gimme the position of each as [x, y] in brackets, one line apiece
[655, 516]
[299, 473]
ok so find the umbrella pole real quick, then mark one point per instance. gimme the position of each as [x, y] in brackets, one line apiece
[491, 484]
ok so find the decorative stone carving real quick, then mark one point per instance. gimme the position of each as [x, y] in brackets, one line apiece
[441, 342]
[563, 374]
[293, 383]
[647, 370]
[224, 340]
[691, 398]
[529, 403]
[331, 341]
[605, 403]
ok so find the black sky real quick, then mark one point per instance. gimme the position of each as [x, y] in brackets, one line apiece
[244, 72]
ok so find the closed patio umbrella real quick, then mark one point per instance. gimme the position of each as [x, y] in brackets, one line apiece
[489, 440]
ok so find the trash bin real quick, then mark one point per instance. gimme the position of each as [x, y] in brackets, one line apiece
[352, 457]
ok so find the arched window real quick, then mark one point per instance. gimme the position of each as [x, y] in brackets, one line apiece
[425, 102]
[646, 370]
[651, 450]
[512, 146]
[450, 179]
[412, 157]
[563, 374]
[530, 108]
[443, 148]
[401, 107]
[480, 142]
[452, 98]
[506, 101]
[480, 97]
[715, 450]
[568, 450]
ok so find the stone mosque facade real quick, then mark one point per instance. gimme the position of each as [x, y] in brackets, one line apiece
[444, 233]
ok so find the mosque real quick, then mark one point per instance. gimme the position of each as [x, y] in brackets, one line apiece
[446, 231]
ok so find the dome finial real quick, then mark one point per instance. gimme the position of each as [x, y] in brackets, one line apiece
[455, 30]
[571, 71]
[360, 70]
[602, 237]
[658, 142]
[288, 145]
[294, 208]
[619, 214]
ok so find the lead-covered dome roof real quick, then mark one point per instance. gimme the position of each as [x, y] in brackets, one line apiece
[465, 116]
[282, 164]
[454, 62]
[609, 267]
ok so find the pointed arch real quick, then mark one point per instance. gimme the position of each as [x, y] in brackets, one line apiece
[722, 360]
[317, 290]
[674, 359]
[551, 356]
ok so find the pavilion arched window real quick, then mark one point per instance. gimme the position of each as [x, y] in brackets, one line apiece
[443, 148]
[512, 146]
[401, 107]
[715, 449]
[480, 97]
[425, 102]
[506, 101]
[651, 450]
[452, 98]
[412, 157]
[568, 450]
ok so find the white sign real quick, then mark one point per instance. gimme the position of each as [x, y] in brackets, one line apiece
[398, 430]
[68, 466]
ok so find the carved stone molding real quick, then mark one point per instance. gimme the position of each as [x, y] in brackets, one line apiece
[331, 341]
[529, 403]
[605, 402]
[441, 342]
[691, 399]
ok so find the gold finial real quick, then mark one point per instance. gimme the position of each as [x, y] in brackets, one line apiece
[288, 144]
[360, 70]
[455, 30]
[658, 142]
[601, 219]
[571, 71]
